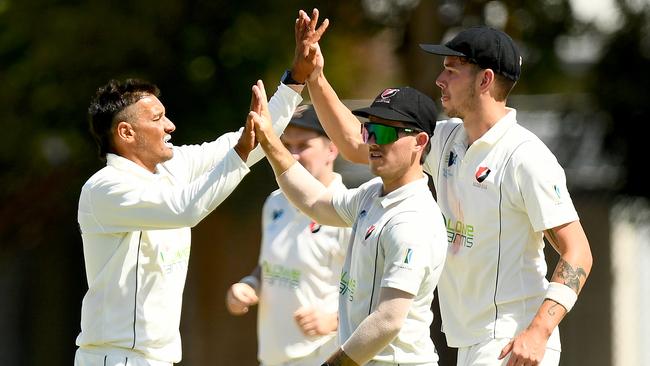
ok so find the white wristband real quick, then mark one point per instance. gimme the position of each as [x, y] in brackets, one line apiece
[251, 281]
[562, 294]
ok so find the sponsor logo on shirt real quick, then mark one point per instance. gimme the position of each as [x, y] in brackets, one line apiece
[459, 235]
[407, 257]
[347, 286]
[279, 275]
[174, 259]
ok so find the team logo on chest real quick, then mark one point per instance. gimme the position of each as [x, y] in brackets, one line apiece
[314, 227]
[481, 173]
[369, 232]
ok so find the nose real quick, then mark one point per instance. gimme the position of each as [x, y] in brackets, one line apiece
[440, 81]
[371, 139]
[169, 125]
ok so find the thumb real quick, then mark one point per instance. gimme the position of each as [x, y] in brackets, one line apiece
[506, 350]
[312, 51]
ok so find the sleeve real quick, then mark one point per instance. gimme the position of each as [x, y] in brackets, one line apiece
[542, 184]
[407, 253]
[346, 202]
[195, 160]
[128, 205]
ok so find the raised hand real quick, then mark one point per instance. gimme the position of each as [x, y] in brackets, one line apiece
[247, 141]
[259, 113]
[307, 36]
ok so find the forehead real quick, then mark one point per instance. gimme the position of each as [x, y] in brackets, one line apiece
[456, 62]
[294, 133]
[148, 105]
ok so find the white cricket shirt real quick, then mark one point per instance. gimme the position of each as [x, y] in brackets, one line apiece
[497, 198]
[300, 263]
[135, 227]
[399, 242]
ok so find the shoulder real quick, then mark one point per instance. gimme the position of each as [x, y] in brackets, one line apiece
[444, 128]
[525, 147]
[373, 185]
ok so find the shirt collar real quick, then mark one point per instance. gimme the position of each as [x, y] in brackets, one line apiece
[500, 128]
[403, 192]
[124, 164]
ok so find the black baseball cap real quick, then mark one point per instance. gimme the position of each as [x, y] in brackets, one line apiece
[403, 104]
[305, 117]
[487, 47]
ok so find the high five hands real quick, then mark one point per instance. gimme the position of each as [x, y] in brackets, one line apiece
[307, 56]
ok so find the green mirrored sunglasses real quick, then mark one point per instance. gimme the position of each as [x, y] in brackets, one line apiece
[383, 134]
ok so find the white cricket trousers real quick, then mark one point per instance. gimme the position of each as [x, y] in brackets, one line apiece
[487, 353]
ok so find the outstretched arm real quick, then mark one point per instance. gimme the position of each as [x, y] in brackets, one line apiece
[567, 280]
[337, 120]
[301, 188]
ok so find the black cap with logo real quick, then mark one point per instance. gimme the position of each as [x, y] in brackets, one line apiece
[404, 105]
[305, 117]
[487, 47]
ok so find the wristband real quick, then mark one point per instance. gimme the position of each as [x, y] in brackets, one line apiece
[251, 281]
[562, 294]
[287, 79]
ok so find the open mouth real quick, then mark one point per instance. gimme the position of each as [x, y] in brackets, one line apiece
[166, 140]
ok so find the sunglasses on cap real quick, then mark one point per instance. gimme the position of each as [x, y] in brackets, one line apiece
[383, 134]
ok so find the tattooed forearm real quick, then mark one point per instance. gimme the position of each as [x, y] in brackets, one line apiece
[569, 275]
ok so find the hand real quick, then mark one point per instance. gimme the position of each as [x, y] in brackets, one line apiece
[319, 65]
[527, 348]
[307, 37]
[247, 141]
[259, 113]
[314, 322]
[239, 298]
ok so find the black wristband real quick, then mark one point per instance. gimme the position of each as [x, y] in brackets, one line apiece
[288, 79]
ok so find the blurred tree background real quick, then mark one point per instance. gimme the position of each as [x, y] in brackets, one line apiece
[205, 55]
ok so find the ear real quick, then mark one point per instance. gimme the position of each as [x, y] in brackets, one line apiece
[124, 131]
[487, 80]
[333, 151]
[421, 140]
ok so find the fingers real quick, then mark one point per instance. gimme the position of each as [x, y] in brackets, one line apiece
[238, 300]
[314, 19]
[322, 29]
[506, 350]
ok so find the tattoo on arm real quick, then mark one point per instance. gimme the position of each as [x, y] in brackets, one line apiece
[569, 275]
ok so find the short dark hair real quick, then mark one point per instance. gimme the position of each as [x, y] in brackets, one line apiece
[108, 102]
